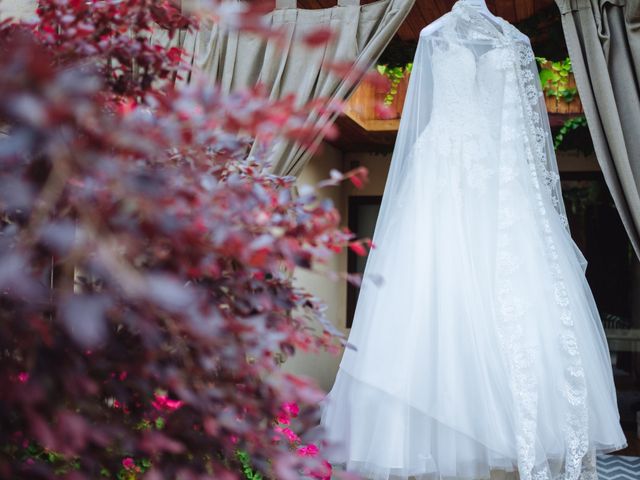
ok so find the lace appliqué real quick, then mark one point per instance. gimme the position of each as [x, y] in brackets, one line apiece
[524, 138]
[524, 94]
[544, 182]
[519, 351]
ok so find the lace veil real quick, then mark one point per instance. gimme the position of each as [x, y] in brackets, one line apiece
[468, 29]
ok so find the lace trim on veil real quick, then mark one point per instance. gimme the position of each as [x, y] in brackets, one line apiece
[579, 461]
[544, 182]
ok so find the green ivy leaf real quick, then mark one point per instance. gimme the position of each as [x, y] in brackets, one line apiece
[546, 76]
[570, 124]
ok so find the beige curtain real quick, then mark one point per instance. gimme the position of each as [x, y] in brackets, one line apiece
[235, 60]
[603, 37]
[18, 9]
[239, 60]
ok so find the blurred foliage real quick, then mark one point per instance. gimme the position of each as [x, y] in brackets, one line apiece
[143, 251]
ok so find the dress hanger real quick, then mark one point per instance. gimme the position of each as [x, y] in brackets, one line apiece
[481, 7]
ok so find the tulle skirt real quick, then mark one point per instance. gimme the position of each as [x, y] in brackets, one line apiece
[482, 351]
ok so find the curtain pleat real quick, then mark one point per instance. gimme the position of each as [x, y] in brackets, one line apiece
[18, 9]
[603, 38]
[239, 60]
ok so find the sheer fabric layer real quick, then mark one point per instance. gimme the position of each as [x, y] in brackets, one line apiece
[483, 349]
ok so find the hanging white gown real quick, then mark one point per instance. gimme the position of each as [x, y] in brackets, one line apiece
[483, 349]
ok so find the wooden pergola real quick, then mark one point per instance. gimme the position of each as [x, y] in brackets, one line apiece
[360, 127]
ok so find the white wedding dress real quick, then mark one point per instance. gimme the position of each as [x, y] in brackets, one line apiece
[482, 350]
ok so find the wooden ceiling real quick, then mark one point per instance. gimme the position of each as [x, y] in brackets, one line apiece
[426, 11]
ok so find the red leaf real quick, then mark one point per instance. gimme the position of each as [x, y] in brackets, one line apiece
[358, 248]
[358, 176]
[380, 82]
[356, 181]
[175, 54]
[318, 37]
[383, 111]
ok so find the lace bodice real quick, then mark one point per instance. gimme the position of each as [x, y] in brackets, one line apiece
[467, 88]
[454, 83]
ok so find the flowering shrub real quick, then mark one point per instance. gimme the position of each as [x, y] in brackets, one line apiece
[288, 412]
[145, 261]
[116, 33]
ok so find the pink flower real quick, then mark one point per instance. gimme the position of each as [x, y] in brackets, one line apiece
[308, 450]
[283, 419]
[287, 412]
[234, 439]
[128, 463]
[23, 377]
[287, 432]
[291, 409]
[173, 404]
[323, 473]
[162, 402]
